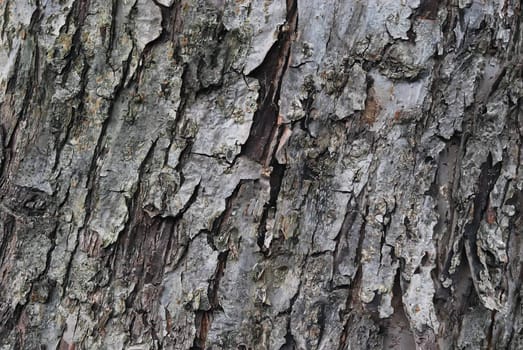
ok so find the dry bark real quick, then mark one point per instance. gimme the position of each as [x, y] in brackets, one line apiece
[261, 174]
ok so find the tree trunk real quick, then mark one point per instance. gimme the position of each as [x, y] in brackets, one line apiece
[255, 174]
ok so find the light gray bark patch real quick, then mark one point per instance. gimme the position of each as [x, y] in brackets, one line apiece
[147, 22]
[224, 119]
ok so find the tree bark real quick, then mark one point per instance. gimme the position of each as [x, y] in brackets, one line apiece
[261, 174]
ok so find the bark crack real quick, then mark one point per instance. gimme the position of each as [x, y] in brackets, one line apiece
[270, 75]
[487, 178]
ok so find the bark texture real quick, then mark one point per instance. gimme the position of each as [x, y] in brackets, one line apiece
[261, 174]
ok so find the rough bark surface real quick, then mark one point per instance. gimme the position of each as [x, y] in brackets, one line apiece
[261, 174]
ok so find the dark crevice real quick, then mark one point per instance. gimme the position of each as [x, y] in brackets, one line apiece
[9, 322]
[454, 152]
[112, 29]
[221, 220]
[77, 16]
[168, 24]
[5, 20]
[316, 254]
[204, 318]
[69, 267]
[275, 182]
[497, 82]
[428, 9]
[133, 203]
[270, 75]
[490, 332]
[36, 18]
[290, 342]
[349, 220]
[321, 321]
[487, 178]
[352, 300]
[397, 327]
[9, 226]
[138, 229]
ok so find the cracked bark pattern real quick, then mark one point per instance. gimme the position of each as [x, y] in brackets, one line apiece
[261, 174]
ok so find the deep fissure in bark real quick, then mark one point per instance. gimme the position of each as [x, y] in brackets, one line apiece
[270, 74]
